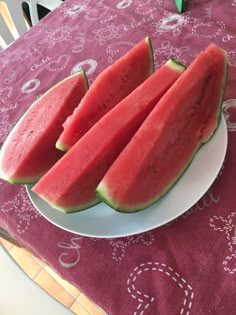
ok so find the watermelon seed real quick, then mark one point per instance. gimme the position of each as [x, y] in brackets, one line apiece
[125, 78]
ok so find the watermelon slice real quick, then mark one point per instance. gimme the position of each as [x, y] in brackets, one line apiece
[185, 118]
[29, 150]
[109, 88]
[70, 184]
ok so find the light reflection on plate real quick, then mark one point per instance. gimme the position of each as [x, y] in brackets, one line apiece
[104, 222]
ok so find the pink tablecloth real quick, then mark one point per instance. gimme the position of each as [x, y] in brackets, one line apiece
[185, 267]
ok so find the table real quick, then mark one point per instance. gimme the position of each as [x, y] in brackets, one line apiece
[185, 267]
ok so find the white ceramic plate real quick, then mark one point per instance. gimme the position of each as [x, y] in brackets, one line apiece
[104, 222]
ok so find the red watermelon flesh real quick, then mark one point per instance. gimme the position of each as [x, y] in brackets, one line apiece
[220, 70]
[163, 147]
[109, 88]
[70, 184]
[29, 150]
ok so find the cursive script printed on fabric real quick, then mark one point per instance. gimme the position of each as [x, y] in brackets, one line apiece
[8, 108]
[71, 254]
[227, 226]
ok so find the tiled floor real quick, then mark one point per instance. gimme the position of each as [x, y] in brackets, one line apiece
[51, 282]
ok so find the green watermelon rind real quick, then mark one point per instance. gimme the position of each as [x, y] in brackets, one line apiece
[103, 194]
[102, 191]
[30, 180]
[61, 147]
[72, 209]
[173, 63]
[221, 99]
[148, 39]
[181, 5]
